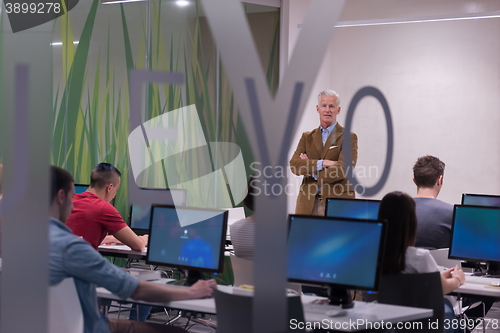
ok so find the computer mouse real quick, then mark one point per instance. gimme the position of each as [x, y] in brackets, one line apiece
[336, 313]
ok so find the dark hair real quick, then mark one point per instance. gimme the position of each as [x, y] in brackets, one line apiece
[398, 209]
[59, 179]
[248, 201]
[427, 170]
[102, 175]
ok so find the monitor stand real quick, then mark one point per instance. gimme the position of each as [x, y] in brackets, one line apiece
[340, 296]
[492, 270]
[190, 278]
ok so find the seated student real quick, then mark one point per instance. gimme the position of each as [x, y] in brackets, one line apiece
[401, 255]
[71, 256]
[243, 231]
[93, 217]
[434, 216]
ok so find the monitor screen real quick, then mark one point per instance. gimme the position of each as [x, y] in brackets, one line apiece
[141, 214]
[352, 208]
[187, 238]
[79, 188]
[481, 200]
[346, 253]
[475, 233]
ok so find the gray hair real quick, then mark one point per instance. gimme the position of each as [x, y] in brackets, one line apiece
[329, 92]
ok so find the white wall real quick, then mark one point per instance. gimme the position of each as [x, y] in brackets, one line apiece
[441, 80]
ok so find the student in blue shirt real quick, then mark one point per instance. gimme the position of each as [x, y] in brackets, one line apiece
[71, 256]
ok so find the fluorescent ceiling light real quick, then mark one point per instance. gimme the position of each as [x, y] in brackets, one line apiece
[182, 3]
[364, 23]
[60, 43]
[345, 24]
[110, 2]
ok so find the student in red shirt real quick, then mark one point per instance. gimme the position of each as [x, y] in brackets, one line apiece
[95, 219]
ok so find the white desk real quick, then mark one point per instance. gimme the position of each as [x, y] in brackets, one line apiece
[122, 251]
[362, 314]
[478, 289]
[206, 305]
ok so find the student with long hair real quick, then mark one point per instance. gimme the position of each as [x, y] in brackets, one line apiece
[401, 255]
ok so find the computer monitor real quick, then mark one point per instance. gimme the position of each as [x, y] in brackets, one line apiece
[80, 188]
[338, 253]
[481, 200]
[187, 238]
[475, 234]
[352, 208]
[141, 214]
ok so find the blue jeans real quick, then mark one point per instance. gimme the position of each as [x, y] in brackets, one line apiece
[450, 318]
[143, 312]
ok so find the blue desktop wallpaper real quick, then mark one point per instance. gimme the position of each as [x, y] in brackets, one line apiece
[489, 201]
[476, 233]
[354, 209]
[333, 251]
[196, 245]
[81, 188]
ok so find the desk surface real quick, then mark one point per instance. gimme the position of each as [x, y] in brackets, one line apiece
[121, 251]
[478, 289]
[126, 252]
[356, 319]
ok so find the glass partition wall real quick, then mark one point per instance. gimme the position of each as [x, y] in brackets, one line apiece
[95, 46]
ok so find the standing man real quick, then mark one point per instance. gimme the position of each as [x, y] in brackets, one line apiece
[71, 256]
[434, 216]
[93, 217]
[320, 160]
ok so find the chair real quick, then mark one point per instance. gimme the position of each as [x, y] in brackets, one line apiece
[242, 270]
[243, 273]
[65, 311]
[234, 312]
[422, 290]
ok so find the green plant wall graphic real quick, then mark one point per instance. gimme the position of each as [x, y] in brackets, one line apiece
[91, 96]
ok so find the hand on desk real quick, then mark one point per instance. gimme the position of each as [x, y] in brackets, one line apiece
[145, 238]
[110, 239]
[450, 277]
[202, 288]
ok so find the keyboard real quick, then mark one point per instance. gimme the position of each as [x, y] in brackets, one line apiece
[482, 280]
[319, 308]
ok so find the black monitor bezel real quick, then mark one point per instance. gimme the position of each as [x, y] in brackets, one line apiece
[220, 268]
[345, 286]
[347, 199]
[145, 231]
[478, 195]
[450, 256]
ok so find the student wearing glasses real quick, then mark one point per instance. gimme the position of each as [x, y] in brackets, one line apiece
[95, 219]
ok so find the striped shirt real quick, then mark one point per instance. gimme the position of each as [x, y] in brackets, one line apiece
[242, 236]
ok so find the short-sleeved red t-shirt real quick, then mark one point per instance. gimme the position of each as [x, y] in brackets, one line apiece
[93, 218]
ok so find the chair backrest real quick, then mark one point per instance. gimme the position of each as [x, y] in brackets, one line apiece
[441, 257]
[234, 312]
[242, 270]
[243, 273]
[417, 290]
[65, 311]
